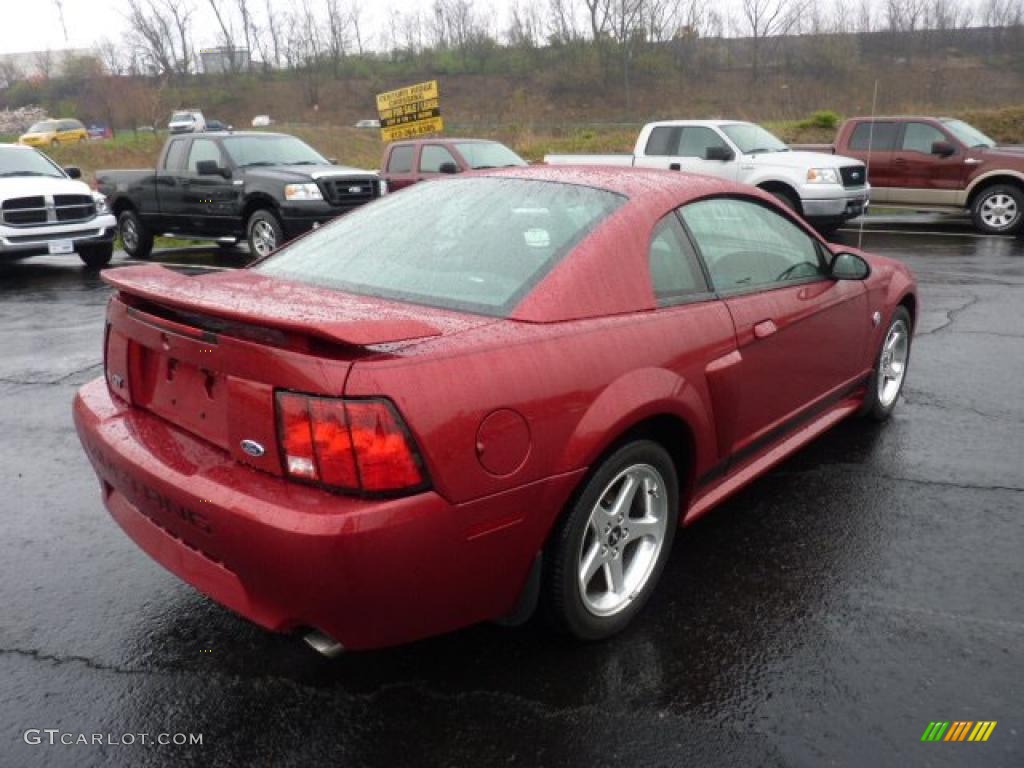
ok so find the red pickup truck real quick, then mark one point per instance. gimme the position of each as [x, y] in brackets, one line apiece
[937, 163]
[406, 162]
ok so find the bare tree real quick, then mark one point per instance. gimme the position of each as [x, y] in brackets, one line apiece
[10, 73]
[161, 35]
[338, 20]
[626, 24]
[45, 64]
[248, 29]
[227, 34]
[766, 19]
[563, 26]
[524, 29]
[355, 17]
[273, 28]
[60, 15]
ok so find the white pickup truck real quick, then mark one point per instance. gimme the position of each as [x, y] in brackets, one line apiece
[44, 209]
[827, 190]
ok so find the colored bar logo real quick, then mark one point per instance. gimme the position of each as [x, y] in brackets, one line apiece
[958, 730]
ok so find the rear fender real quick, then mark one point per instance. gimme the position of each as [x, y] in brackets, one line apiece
[632, 398]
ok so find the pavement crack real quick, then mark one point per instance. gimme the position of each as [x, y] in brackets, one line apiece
[49, 382]
[859, 470]
[921, 400]
[37, 655]
[951, 316]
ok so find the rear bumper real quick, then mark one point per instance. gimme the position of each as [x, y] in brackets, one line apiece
[367, 573]
[28, 241]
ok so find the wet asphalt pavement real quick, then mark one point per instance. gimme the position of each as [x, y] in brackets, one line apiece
[871, 584]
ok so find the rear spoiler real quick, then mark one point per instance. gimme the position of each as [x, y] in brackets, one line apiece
[247, 297]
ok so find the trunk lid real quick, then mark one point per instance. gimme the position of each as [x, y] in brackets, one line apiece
[206, 352]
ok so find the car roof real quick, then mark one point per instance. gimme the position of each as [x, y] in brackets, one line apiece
[901, 117]
[445, 140]
[706, 123]
[230, 133]
[634, 183]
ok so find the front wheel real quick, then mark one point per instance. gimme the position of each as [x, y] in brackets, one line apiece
[890, 370]
[136, 238]
[96, 256]
[264, 233]
[609, 550]
[998, 210]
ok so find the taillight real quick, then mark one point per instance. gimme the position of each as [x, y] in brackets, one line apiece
[352, 445]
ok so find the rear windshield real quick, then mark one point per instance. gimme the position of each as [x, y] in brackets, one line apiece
[44, 127]
[477, 245]
[488, 154]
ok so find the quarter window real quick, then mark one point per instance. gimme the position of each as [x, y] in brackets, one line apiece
[400, 159]
[880, 138]
[919, 137]
[675, 273]
[746, 244]
[175, 155]
[432, 156]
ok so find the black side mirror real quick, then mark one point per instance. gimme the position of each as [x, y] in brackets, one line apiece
[849, 266]
[332, 160]
[448, 167]
[723, 154]
[73, 172]
[943, 148]
[210, 168]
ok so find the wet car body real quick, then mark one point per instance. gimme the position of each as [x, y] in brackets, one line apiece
[507, 412]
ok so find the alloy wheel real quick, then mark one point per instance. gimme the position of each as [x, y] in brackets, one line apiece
[892, 365]
[264, 239]
[625, 534]
[999, 211]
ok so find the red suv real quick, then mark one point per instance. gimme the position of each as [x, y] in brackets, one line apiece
[406, 162]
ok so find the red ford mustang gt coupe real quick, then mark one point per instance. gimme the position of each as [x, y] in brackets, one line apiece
[479, 394]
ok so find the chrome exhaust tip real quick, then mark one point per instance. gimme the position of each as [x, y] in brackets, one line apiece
[323, 644]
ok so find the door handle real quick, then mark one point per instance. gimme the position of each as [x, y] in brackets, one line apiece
[764, 329]
[674, 166]
[899, 161]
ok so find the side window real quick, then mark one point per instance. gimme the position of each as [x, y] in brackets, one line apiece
[881, 138]
[919, 137]
[663, 141]
[431, 157]
[400, 159]
[696, 141]
[203, 149]
[65, 125]
[675, 273]
[175, 155]
[746, 244]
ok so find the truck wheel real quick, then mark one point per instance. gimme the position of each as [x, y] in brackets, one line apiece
[96, 256]
[998, 210]
[264, 233]
[610, 548]
[886, 382]
[136, 237]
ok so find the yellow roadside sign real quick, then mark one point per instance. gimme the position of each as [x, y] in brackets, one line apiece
[411, 111]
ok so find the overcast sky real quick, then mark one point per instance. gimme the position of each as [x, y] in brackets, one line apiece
[34, 25]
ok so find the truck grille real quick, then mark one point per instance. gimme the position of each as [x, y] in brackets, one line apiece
[349, 192]
[74, 207]
[36, 210]
[24, 211]
[853, 175]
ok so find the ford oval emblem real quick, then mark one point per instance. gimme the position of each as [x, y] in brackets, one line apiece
[253, 448]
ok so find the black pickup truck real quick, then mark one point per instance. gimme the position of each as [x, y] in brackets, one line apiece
[265, 188]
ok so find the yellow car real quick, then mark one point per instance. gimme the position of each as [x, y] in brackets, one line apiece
[52, 133]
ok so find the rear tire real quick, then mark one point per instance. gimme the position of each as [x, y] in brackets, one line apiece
[610, 548]
[264, 233]
[136, 237]
[998, 210]
[96, 256]
[890, 371]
